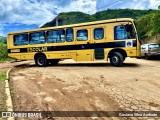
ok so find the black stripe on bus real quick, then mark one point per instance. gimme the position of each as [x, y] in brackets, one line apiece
[79, 47]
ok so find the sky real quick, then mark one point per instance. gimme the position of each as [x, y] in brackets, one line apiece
[16, 15]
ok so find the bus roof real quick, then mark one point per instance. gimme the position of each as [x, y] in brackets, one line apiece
[75, 25]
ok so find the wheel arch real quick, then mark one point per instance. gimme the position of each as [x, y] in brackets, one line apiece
[120, 50]
[39, 53]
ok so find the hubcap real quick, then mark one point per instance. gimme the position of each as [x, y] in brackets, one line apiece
[115, 60]
[40, 61]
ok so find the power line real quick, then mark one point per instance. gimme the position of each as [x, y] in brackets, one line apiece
[107, 5]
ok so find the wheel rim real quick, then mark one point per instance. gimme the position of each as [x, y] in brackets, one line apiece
[40, 61]
[115, 60]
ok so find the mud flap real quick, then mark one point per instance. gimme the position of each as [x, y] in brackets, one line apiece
[99, 53]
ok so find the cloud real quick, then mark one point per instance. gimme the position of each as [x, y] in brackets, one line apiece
[40, 11]
[132, 4]
[87, 6]
[25, 12]
[154, 4]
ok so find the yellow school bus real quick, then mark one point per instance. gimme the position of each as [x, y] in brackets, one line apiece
[113, 39]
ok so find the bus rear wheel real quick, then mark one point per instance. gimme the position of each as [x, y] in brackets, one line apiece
[41, 61]
[116, 59]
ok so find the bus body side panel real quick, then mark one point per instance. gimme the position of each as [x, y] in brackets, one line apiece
[9, 41]
[83, 53]
[108, 37]
[49, 55]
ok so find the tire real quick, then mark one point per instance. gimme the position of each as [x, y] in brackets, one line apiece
[41, 61]
[124, 58]
[146, 56]
[54, 61]
[116, 59]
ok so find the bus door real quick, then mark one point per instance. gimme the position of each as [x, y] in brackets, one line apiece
[99, 39]
[83, 44]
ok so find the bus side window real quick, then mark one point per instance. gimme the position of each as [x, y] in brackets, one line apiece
[61, 35]
[120, 32]
[52, 35]
[82, 35]
[37, 38]
[124, 32]
[56, 36]
[98, 33]
[21, 39]
[69, 35]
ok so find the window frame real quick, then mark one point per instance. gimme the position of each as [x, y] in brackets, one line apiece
[77, 34]
[39, 39]
[66, 35]
[20, 34]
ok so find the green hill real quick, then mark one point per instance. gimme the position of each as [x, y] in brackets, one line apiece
[148, 21]
[70, 18]
[149, 25]
[121, 13]
[66, 18]
[3, 40]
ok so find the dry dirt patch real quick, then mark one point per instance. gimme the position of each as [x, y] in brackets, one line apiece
[72, 86]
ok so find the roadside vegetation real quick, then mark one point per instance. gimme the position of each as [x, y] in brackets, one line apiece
[149, 25]
[2, 76]
[2, 91]
[3, 51]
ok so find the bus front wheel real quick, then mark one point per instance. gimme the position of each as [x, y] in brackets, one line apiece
[116, 59]
[41, 60]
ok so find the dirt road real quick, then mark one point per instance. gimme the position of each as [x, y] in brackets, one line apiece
[72, 86]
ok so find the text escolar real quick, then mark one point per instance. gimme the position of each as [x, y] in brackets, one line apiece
[37, 49]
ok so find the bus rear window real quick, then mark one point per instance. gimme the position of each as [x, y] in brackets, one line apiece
[21, 39]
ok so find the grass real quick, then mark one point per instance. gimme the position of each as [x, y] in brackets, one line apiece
[4, 54]
[2, 76]
[6, 59]
[2, 91]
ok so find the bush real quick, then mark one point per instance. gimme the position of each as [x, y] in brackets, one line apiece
[3, 51]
